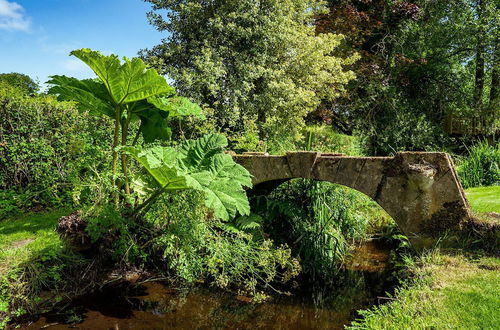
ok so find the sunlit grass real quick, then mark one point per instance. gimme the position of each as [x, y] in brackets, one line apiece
[484, 199]
[26, 236]
[451, 292]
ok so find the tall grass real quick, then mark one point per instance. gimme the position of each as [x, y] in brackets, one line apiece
[318, 220]
[481, 167]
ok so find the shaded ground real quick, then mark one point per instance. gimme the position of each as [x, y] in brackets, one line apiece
[24, 237]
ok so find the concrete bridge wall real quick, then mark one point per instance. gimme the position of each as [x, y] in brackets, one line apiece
[420, 191]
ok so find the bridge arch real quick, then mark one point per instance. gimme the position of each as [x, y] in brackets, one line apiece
[420, 191]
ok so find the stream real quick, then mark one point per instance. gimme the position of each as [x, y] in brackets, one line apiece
[153, 305]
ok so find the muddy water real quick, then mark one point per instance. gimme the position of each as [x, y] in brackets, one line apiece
[153, 305]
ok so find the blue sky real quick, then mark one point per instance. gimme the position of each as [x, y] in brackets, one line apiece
[36, 36]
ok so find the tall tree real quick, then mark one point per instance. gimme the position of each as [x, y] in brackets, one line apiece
[495, 77]
[252, 62]
[417, 69]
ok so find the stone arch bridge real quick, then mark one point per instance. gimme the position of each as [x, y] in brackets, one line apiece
[420, 191]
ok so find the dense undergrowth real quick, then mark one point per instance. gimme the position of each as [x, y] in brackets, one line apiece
[178, 237]
[50, 154]
[481, 166]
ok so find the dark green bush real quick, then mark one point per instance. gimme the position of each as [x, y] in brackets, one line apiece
[398, 128]
[481, 167]
[47, 149]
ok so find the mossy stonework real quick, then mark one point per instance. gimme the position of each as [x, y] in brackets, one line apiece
[419, 190]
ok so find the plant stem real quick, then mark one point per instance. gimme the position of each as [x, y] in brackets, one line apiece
[114, 152]
[144, 207]
[123, 155]
[136, 137]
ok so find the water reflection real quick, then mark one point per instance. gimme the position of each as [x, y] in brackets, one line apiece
[155, 306]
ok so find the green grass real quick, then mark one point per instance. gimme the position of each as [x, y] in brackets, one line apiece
[484, 199]
[32, 257]
[26, 236]
[450, 292]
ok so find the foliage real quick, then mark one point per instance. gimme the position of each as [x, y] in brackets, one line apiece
[125, 92]
[194, 247]
[49, 153]
[325, 139]
[317, 220]
[481, 167]
[249, 62]
[109, 230]
[397, 130]
[199, 165]
[21, 81]
[129, 91]
[423, 64]
[9, 201]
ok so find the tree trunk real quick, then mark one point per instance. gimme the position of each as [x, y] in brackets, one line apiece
[479, 83]
[114, 153]
[495, 77]
[123, 155]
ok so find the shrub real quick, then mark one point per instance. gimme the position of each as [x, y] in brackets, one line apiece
[481, 167]
[47, 149]
[317, 219]
[325, 139]
[195, 246]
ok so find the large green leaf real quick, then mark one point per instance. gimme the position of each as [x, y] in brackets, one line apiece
[154, 125]
[156, 112]
[89, 94]
[225, 193]
[127, 82]
[201, 165]
[161, 163]
[198, 153]
[176, 106]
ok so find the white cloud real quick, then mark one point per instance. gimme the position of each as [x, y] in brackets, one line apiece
[75, 65]
[12, 17]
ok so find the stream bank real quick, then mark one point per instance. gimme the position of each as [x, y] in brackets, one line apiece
[156, 305]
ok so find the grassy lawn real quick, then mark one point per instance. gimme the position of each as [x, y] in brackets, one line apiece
[23, 237]
[450, 290]
[484, 199]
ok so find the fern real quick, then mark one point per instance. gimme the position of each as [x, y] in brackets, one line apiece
[249, 222]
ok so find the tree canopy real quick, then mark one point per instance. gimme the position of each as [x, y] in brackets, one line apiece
[425, 66]
[21, 81]
[258, 65]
